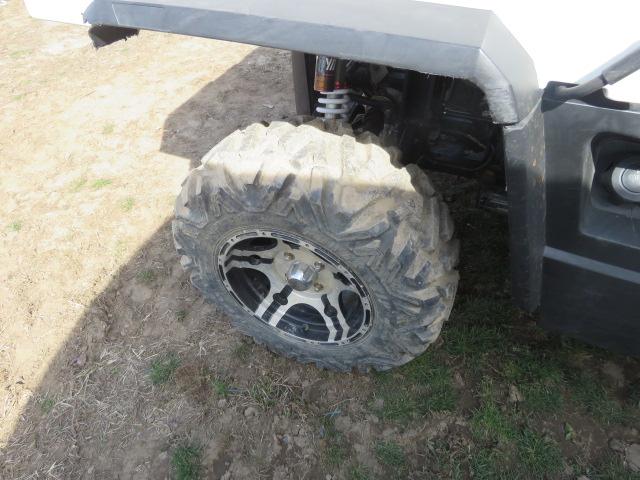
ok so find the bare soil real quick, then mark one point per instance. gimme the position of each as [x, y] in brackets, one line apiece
[93, 148]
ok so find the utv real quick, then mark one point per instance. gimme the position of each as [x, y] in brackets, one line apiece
[324, 238]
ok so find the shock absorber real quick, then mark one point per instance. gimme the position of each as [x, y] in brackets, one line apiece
[330, 82]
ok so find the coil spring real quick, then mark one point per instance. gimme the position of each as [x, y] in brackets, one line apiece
[335, 104]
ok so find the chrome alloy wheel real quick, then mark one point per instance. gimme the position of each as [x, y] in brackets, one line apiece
[295, 287]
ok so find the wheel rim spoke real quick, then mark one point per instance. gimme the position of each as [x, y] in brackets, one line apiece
[334, 300]
[274, 305]
[275, 318]
[320, 307]
[299, 291]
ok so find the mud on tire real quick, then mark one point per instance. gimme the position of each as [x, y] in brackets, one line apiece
[346, 195]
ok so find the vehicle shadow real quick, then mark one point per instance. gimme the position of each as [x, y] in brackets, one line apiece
[257, 89]
[96, 412]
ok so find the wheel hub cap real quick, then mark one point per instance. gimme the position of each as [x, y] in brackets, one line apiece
[300, 276]
[294, 286]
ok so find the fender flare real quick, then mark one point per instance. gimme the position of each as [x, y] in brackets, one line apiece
[426, 37]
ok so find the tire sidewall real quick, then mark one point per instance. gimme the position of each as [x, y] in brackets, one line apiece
[216, 233]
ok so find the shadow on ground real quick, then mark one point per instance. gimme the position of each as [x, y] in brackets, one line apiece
[256, 89]
[96, 413]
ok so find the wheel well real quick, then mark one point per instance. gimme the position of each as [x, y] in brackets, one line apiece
[439, 123]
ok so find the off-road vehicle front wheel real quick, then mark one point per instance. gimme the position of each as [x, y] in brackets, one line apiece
[319, 245]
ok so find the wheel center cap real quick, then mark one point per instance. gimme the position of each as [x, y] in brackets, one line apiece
[301, 276]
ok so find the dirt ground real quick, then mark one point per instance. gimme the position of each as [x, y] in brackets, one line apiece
[113, 366]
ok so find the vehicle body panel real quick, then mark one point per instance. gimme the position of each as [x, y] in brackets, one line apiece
[67, 11]
[566, 40]
[591, 260]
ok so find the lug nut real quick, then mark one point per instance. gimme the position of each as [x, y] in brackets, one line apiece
[318, 266]
[288, 256]
[317, 287]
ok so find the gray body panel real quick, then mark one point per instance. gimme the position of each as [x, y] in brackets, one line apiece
[430, 38]
[525, 170]
[591, 261]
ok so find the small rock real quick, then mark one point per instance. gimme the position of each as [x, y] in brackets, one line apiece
[222, 403]
[227, 418]
[159, 466]
[281, 473]
[378, 403]
[632, 455]
[458, 381]
[140, 293]
[372, 418]
[461, 422]
[250, 412]
[342, 424]
[614, 373]
[311, 391]
[211, 453]
[389, 432]
[276, 446]
[359, 449]
[80, 360]
[300, 441]
[616, 445]
[514, 394]
[293, 377]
